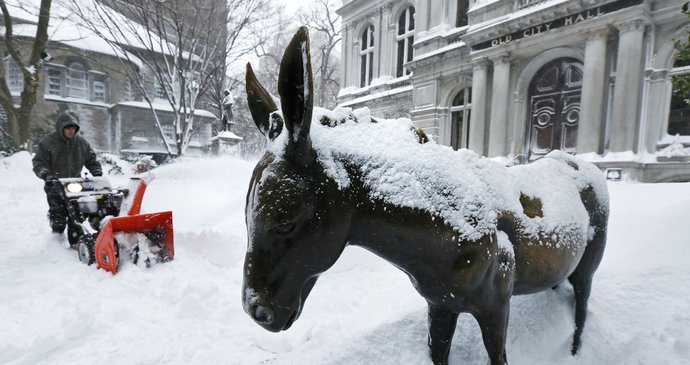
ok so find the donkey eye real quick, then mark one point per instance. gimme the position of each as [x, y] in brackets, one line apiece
[284, 228]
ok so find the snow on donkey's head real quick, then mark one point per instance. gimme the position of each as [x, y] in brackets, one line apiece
[468, 231]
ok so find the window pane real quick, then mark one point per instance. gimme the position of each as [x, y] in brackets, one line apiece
[461, 16]
[401, 55]
[371, 36]
[410, 51]
[456, 137]
[76, 81]
[679, 117]
[401, 23]
[99, 90]
[459, 98]
[127, 92]
[15, 79]
[54, 87]
[410, 25]
[363, 72]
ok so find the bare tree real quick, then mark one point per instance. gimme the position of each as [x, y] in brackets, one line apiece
[19, 118]
[183, 48]
[272, 34]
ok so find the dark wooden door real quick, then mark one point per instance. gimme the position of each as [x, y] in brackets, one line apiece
[554, 109]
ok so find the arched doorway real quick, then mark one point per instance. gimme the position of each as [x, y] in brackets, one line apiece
[554, 108]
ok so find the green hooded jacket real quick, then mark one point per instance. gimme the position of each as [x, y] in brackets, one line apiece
[62, 157]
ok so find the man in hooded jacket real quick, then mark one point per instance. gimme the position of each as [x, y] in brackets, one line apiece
[63, 154]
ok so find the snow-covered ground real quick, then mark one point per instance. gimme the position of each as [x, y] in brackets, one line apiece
[55, 310]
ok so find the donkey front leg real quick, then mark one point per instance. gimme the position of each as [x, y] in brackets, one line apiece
[494, 326]
[441, 328]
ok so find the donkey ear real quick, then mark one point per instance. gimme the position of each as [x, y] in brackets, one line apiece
[295, 87]
[261, 106]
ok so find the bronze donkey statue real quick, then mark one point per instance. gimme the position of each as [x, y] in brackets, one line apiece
[469, 235]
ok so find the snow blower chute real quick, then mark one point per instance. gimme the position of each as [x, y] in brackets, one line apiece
[110, 224]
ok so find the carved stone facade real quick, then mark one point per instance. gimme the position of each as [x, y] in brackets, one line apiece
[517, 78]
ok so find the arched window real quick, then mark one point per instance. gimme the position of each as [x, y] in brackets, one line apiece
[460, 118]
[679, 116]
[405, 40]
[76, 81]
[366, 54]
[461, 15]
[15, 78]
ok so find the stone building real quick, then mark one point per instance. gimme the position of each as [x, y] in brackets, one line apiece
[86, 77]
[518, 78]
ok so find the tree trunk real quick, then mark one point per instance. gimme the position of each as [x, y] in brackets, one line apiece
[20, 118]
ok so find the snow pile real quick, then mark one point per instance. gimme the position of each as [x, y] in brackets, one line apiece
[675, 149]
[55, 310]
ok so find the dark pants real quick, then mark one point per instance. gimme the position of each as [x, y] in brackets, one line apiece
[57, 214]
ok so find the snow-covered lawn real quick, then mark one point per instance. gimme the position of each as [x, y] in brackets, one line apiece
[55, 310]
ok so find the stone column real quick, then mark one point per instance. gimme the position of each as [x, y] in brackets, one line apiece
[385, 41]
[478, 112]
[658, 83]
[592, 99]
[422, 16]
[498, 126]
[346, 47]
[624, 114]
[435, 13]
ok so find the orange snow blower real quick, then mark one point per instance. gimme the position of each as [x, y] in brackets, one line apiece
[110, 224]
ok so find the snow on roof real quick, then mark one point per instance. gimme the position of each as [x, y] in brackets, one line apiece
[465, 190]
[162, 107]
[228, 135]
[68, 28]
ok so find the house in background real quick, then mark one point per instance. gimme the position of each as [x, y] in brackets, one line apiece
[519, 78]
[86, 77]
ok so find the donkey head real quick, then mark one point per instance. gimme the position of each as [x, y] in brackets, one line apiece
[295, 227]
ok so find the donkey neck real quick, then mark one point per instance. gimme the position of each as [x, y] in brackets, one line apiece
[421, 245]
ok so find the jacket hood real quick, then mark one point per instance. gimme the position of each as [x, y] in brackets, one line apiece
[65, 120]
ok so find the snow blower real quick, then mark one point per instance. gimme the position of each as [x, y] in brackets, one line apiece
[110, 224]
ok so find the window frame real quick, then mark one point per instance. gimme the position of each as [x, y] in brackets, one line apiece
[76, 81]
[404, 40]
[461, 15]
[14, 76]
[673, 73]
[57, 81]
[464, 110]
[366, 55]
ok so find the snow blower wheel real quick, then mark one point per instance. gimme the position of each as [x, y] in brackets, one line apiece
[85, 247]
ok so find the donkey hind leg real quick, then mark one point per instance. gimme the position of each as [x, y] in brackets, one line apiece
[582, 288]
[581, 278]
[441, 328]
[494, 326]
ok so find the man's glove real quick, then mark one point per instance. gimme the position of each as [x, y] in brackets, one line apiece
[47, 176]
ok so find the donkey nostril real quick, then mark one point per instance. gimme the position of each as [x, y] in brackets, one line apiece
[263, 314]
